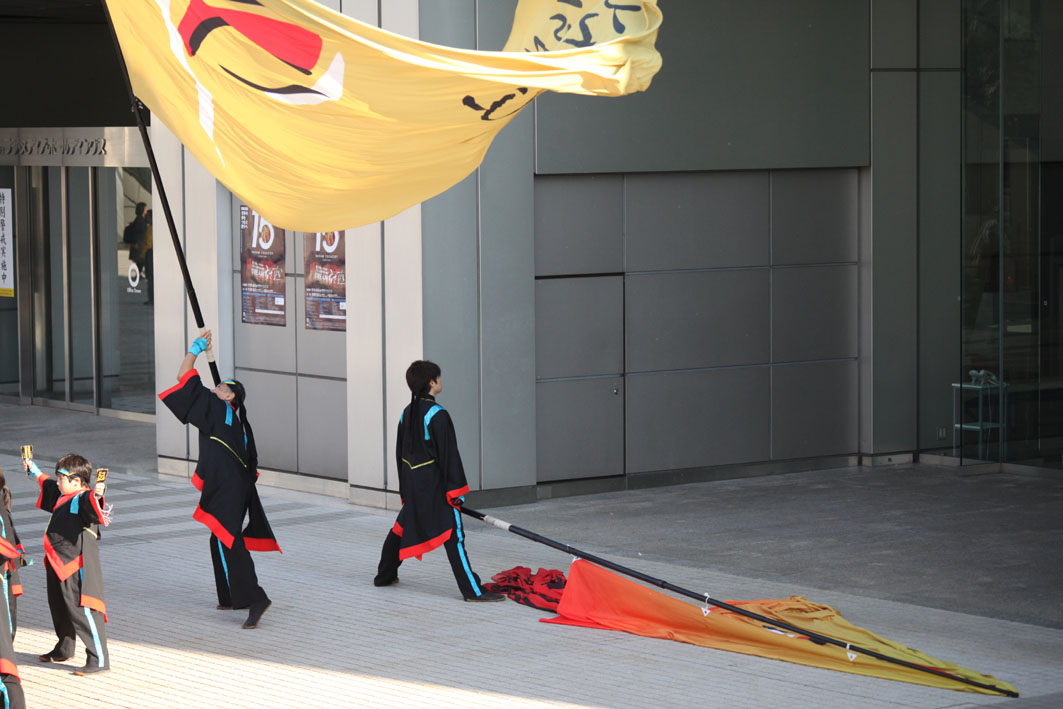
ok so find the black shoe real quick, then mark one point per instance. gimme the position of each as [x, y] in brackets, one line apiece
[52, 656]
[255, 614]
[487, 597]
[220, 607]
[380, 581]
[90, 670]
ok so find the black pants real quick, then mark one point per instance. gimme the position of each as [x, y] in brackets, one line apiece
[12, 606]
[70, 618]
[234, 574]
[468, 581]
[12, 692]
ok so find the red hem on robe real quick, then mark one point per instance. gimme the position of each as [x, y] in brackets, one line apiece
[180, 383]
[62, 570]
[424, 547]
[397, 528]
[197, 482]
[214, 526]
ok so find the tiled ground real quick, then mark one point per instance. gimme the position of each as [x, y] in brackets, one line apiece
[333, 640]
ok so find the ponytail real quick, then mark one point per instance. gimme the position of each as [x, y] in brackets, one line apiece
[419, 377]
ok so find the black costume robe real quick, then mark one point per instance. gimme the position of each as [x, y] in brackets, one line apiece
[9, 567]
[74, 578]
[223, 475]
[431, 478]
[11, 686]
[70, 539]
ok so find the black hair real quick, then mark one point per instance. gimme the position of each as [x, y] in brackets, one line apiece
[420, 374]
[139, 210]
[419, 377]
[5, 491]
[238, 390]
[75, 466]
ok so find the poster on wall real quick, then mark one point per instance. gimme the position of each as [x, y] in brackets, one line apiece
[325, 261]
[7, 246]
[261, 270]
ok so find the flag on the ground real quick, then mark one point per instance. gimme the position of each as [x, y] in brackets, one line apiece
[597, 598]
[542, 590]
[321, 123]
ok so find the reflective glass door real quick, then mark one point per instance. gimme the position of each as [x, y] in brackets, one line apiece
[92, 310]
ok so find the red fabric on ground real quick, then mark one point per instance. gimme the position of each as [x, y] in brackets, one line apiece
[541, 590]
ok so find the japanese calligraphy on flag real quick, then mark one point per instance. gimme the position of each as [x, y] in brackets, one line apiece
[321, 123]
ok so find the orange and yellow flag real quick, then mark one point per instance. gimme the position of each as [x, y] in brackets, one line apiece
[596, 598]
[321, 123]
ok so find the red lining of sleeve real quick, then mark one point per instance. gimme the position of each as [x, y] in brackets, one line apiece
[97, 509]
[257, 544]
[180, 383]
[8, 667]
[461, 491]
[95, 604]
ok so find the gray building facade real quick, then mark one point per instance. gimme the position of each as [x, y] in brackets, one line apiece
[781, 257]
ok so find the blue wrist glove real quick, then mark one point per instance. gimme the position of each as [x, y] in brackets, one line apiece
[34, 470]
[198, 346]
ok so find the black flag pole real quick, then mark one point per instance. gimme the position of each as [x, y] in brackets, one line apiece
[815, 637]
[137, 107]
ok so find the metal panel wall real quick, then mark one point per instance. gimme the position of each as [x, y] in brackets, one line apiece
[704, 220]
[579, 427]
[322, 416]
[708, 332]
[892, 311]
[698, 319]
[570, 237]
[813, 409]
[694, 419]
[940, 151]
[579, 327]
[813, 216]
[893, 34]
[940, 43]
[813, 313]
[761, 84]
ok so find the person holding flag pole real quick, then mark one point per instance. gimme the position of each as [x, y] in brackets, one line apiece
[225, 475]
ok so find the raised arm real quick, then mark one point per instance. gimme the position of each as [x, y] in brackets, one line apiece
[199, 345]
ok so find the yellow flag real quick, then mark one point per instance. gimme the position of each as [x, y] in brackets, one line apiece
[321, 123]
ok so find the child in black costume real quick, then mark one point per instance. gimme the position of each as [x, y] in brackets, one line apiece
[9, 577]
[431, 485]
[72, 559]
[10, 556]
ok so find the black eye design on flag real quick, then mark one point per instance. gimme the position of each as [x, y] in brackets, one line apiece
[490, 111]
[291, 44]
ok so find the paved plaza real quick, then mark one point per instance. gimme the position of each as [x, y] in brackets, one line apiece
[920, 567]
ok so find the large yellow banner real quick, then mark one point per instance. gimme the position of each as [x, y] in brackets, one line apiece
[321, 123]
